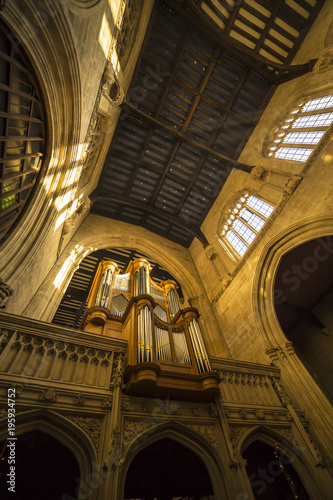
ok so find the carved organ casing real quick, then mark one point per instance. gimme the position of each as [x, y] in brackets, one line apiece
[166, 354]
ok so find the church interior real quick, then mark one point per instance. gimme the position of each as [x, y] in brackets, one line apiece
[166, 249]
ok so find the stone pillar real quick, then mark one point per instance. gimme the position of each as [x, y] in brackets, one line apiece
[297, 380]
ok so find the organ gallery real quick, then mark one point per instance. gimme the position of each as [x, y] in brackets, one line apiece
[166, 249]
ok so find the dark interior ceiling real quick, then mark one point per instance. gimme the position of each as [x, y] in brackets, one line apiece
[205, 73]
[74, 301]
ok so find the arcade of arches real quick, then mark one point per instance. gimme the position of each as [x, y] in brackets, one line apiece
[166, 249]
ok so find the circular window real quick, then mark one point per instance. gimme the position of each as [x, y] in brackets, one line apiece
[21, 132]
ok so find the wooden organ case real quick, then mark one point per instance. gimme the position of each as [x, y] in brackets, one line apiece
[166, 354]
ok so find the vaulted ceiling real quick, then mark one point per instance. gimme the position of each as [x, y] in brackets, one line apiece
[205, 73]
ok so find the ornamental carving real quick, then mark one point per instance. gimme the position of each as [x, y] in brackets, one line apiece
[172, 407]
[283, 397]
[107, 402]
[259, 414]
[118, 368]
[325, 63]
[110, 85]
[49, 396]
[91, 426]
[292, 183]
[242, 413]
[79, 400]
[259, 173]
[211, 253]
[206, 431]
[18, 388]
[133, 428]
[59, 349]
[287, 434]
[146, 406]
[4, 339]
[235, 435]
[125, 404]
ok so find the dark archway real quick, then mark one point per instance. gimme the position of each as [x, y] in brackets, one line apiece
[303, 296]
[271, 474]
[44, 468]
[167, 469]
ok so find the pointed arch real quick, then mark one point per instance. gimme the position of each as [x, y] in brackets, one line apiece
[188, 438]
[292, 451]
[63, 430]
[263, 284]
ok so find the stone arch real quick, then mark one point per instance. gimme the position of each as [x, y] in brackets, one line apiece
[291, 450]
[263, 285]
[61, 94]
[62, 429]
[188, 438]
[107, 233]
[79, 248]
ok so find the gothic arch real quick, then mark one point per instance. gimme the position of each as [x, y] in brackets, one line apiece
[263, 300]
[292, 451]
[64, 431]
[61, 95]
[78, 248]
[188, 438]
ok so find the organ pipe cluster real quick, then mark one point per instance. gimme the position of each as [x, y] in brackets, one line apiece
[156, 329]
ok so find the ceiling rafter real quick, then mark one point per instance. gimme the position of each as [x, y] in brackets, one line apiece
[189, 228]
[259, 64]
[192, 104]
[186, 138]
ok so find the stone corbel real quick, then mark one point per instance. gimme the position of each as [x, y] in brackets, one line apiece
[219, 267]
[277, 179]
[110, 86]
[291, 183]
[70, 221]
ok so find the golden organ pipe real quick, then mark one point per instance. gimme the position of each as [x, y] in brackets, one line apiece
[196, 348]
[201, 344]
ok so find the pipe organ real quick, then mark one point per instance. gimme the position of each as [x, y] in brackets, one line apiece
[166, 354]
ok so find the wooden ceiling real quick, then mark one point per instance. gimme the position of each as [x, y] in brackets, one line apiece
[205, 73]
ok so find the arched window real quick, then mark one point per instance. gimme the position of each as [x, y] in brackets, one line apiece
[22, 134]
[243, 222]
[303, 128]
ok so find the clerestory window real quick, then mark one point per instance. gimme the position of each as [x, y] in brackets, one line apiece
[304, 127]
[243, 222]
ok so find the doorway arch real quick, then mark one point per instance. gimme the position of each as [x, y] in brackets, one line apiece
[290, 454]
[166, 469]
[65, 432]
[187, 438]
[44, 468]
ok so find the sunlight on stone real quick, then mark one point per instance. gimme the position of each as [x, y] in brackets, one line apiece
[105, 36]
[64, 269]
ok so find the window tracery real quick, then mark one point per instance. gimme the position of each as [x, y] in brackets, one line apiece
[243, 222]
[303, 129]
[22, 140]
